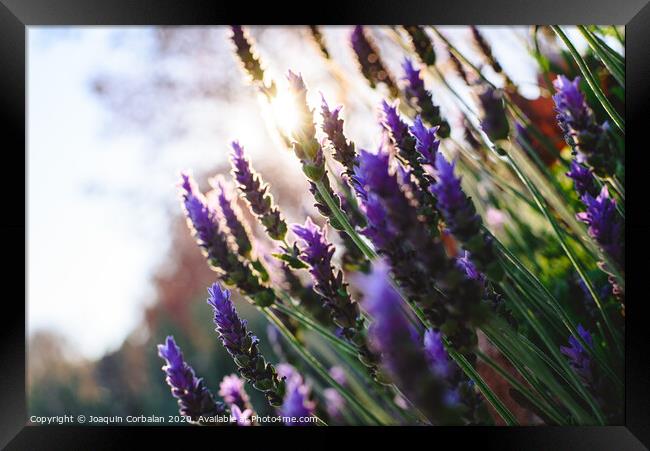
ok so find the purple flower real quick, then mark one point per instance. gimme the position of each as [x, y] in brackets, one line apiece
[397, 128]
[232, 390]
[370, 63]
[426, 142]
[242, 345]
[493, 118]
[588, 139]
[328, 283]
[449, 192]
[317, 252]
[241, 418]
[409, 156]
[420, 99]
[202, 219]
[334, 403]
[289, 373]
[256, 193]
[465, 263]
[604, 291]
[460, 390]
[583, 179]
[250, 60]
[418, 260]
[461, 219]
[194, 399]
[605, 224]
[338, 374]
[421, 44]
[412, 155]
[415, 84]
[437, 356]
[297, 406]
[343, 150]
[204, 222]
[402, 356]
[578, 356]
[232, 217]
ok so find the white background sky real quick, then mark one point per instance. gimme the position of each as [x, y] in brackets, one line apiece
[98, 207]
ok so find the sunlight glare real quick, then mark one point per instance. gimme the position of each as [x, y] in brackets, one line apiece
[285, 112]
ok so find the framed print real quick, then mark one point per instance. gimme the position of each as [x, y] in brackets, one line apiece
[408, 218]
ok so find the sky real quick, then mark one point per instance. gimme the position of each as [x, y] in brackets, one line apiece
[99, 206]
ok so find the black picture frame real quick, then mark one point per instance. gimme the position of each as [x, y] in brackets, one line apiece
[17, 15]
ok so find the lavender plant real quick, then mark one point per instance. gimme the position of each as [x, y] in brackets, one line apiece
[242, 345]
[329, 284]
[589, 140]
[194, 399]
[370, 63]
[419, 214]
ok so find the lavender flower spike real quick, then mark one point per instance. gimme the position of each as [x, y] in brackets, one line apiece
[242, 418]
[429, 277]
[583, 179]
[493, 118]
[233, 217]
[421, 43]
[397, 129]
[460, 390]
[250, 60]
[426, 142]
[404, 358]
[310, 153]
[578, 356]
[304, 142]
[343, 150]
[370, 63]
[203, 221]
[408, 154]
[421, 100]
[232, 390]
[605, 224]
[485, 49]
[297, 407]
[461, 219]
[242, 345]
[194, 399]
[256, 193]
[587, 138]
[317, 253]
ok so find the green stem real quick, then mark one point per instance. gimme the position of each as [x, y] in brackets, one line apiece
[604, 56]
[591, 81]
[343, 220]
[568, 251]
[548, 410]
[616, 184]
[551, 306]
[467, 369]
[553, 349]
[314, 326]
[311, 360]
[514, 109]
[492, 398]
[500, 335]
